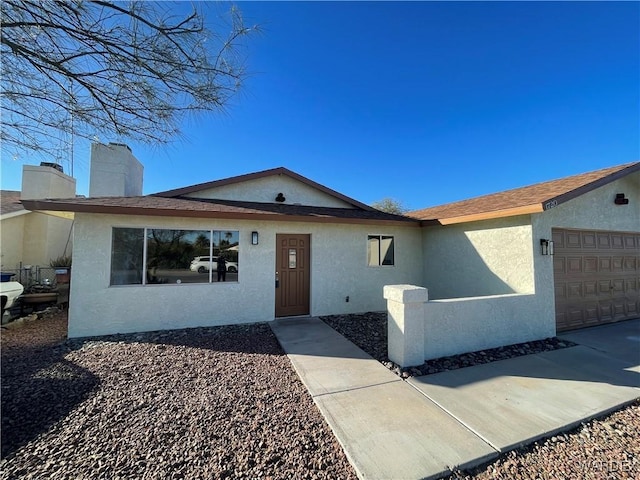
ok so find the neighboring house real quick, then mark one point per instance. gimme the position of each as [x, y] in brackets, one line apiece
[33, 238]
[304, 249]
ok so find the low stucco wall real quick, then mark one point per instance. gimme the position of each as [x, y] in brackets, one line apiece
[455, 326]
[470, 324]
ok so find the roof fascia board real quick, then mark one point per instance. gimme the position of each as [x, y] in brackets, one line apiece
[475, 217]
[50, 207]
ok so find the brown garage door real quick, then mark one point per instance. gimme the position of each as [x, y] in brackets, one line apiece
[597, 277]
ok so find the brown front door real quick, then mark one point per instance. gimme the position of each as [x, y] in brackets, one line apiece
[292, 274]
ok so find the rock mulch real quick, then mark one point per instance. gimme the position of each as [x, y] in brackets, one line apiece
[369, 332]
[199, 403]
[606, 448]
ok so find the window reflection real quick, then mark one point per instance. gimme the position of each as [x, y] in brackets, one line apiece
[173, 256]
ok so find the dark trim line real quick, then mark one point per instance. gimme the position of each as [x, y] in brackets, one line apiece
[48, 205]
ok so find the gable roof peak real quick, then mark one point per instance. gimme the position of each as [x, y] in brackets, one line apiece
[180, 192]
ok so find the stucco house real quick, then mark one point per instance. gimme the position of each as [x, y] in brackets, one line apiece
[304, 249]
[33, 238]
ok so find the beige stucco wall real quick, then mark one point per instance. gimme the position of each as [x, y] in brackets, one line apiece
[35, 238]
[479, 258]
[46, 182]
[266, 189]
[45, 237]
[11, 241]
[338, 269]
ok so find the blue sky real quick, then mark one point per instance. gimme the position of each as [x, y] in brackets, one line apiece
[424, 102]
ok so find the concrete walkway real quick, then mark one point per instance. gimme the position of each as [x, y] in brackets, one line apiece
[425, 427]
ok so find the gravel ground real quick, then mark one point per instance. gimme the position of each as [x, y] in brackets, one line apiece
[369, 332]
[219, 403]
[199, 403]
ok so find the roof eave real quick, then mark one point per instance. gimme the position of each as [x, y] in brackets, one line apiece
[53, 206]
[476, 217]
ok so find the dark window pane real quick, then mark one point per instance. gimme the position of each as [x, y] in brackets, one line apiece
[127, 251]
[386, 250]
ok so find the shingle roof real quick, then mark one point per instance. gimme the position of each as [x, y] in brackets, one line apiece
[206, 208]
[525, 200]
[10, 202]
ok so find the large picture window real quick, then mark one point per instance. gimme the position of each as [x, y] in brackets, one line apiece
[157, 256]
[380, 250]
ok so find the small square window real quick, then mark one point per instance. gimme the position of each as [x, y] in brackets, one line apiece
[380, 250]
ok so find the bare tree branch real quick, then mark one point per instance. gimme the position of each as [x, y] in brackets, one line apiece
[126, 70]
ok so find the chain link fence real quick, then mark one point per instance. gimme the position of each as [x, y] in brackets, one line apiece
[32, 275]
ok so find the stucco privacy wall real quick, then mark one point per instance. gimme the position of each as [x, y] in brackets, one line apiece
[450, 327]
[338, 269]
[594, 210]
[267, 188]
[479, 258]
[470, 324]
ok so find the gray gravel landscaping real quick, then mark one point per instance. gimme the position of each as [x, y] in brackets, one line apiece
[199, 403]
[369, 332]
[220, 403]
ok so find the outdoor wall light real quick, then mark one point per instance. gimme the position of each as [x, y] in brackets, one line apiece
[254, 238]
[546, 246]
[620, 200]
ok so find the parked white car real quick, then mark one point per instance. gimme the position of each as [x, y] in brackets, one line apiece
[201, 265]
[9, 292]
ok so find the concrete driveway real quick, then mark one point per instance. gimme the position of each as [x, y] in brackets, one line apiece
[620, 340]
[427, 426]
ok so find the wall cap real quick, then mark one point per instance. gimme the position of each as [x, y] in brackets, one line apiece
[406, 293]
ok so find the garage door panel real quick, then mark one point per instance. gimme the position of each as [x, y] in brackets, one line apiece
[617, 264]
[604, 241]
[574, 290]
[631, 242]
[596, 277]
[617, 241]
[559, 265]
[590, 288]
[604, 264]
[574, 265]
[588, 239]
[590, 265]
